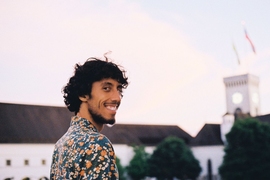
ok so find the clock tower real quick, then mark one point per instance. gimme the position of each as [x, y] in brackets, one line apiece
[242, 92]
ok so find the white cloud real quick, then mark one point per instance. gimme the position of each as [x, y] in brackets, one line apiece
[171, 81]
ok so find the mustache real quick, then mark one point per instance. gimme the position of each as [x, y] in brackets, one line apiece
[112, 103]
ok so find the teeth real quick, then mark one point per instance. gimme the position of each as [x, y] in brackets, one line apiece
[113, 108]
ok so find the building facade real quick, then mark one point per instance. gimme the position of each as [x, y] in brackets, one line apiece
[28, 133]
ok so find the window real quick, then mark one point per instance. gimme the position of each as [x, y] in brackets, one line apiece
[26, 162]
[8, 162]
[43, 162]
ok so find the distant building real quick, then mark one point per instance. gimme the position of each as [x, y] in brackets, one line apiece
[124, 136]
[208, 147]
[242, 101]
[242, 92]
[28, 133]
[27, 137]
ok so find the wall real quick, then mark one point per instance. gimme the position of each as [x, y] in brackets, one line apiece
[18, 153]
[214, 153]
[125, 153]
[35, 153]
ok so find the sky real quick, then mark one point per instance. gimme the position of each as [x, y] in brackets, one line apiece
[176, 53]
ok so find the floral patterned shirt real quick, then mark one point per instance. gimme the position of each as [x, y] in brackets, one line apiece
[83, 153]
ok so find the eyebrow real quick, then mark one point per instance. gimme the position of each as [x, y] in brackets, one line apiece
[107, 83]
[111, 84]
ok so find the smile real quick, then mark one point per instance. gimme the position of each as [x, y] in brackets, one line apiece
[112, 107]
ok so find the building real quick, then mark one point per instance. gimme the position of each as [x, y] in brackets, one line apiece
[242, 100]
[242, 92]
[208, 147]
[28, 134]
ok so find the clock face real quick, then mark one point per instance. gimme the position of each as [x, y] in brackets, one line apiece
[237, 98]
[255, 98]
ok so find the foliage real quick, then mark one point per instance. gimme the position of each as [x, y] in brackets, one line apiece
[43, 178]
[137, 168]
[121, 169]
[173, 159]
[247, 152]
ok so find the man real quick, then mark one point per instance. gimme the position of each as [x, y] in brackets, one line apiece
[94, 94]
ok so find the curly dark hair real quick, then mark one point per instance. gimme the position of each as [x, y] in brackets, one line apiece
[85, 75]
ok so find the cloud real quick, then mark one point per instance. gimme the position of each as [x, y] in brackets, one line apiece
[45, 39]
[172, 82]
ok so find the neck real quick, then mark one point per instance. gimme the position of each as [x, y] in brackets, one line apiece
[84, 113]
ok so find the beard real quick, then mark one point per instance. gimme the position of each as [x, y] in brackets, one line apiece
[100, 119]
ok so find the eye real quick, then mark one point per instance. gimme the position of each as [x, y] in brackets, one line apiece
[106, 88]
[120, 90]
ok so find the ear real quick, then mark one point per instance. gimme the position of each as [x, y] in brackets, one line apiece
[84, 98]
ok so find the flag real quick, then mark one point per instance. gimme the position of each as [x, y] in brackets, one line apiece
[252, 46]
[236, 53]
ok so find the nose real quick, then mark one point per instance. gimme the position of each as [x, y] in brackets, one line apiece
[116, 96]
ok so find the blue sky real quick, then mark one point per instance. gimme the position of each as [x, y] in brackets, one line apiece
[176, 53]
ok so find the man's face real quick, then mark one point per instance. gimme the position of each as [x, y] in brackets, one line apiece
[105, 99]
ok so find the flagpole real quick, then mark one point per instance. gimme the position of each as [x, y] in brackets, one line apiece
[248, 38]
[251, 57]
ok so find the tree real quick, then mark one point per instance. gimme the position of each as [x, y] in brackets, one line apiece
[173, 159]
[137, 168]
[43, 178]
[121, 169]
[247, 152]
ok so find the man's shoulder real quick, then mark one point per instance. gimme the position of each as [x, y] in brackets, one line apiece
[91, 138]
[99, 138]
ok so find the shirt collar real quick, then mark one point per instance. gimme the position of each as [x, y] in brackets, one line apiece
[83, 123]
